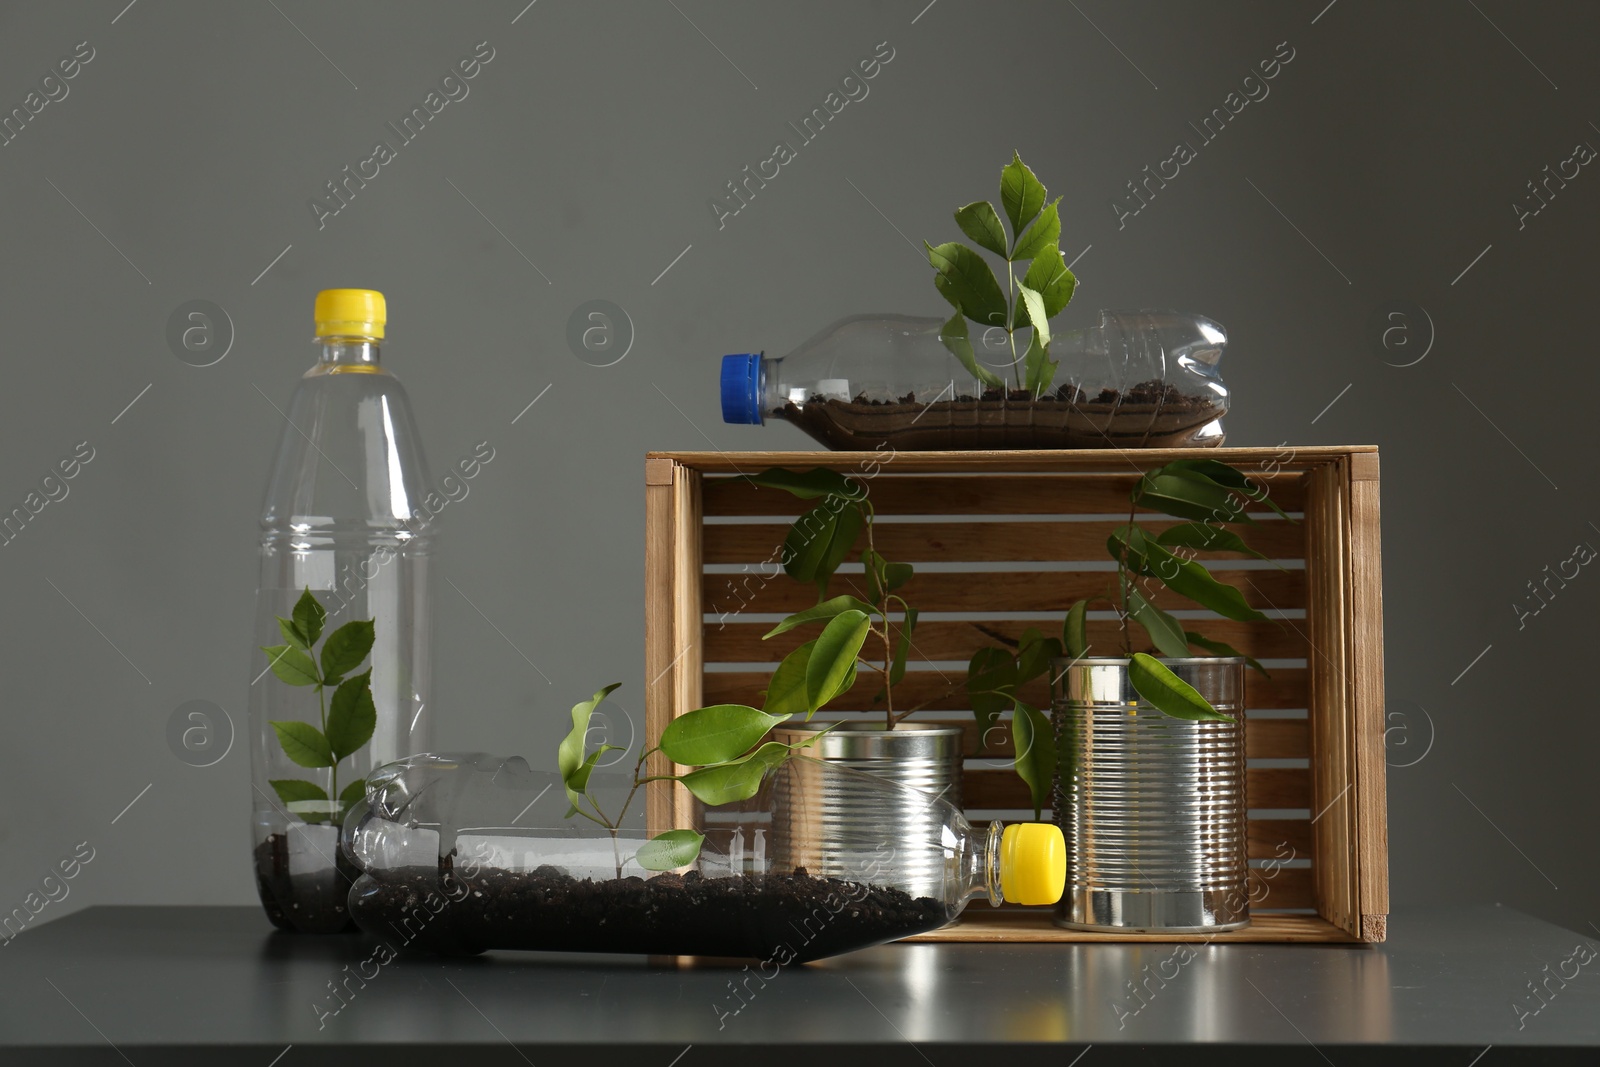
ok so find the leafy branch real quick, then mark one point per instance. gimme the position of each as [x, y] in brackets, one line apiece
[1211, 496]
[347, 722]
[816, 544]
[965, 279]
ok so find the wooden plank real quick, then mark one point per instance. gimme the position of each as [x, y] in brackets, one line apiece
[1279, 839]
[999, 788]
[966, 542]
[1332, 776]
[673, 613]
[973, 494]
[1264, 738]
[947, 692]
[1367, 719]
[740, 642]
[767, 591]
[868, 464]
[1286, 887]
[983, 924]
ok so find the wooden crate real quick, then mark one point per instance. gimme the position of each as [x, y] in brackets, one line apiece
[1011, 533]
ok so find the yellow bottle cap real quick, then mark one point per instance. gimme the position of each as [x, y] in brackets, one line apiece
[351, 313]
[1033, 863]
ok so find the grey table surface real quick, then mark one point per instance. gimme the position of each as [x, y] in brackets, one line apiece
[212, 985]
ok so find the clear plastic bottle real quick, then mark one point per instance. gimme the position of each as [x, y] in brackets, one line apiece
[343, 519]
[1140, 379]
[463, 853]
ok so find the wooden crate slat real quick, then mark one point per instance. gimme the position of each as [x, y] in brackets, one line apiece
[740, 642]
[1102, 462]
[1368, 717]
[1264, 738]
[1279, 839]
[1327, 539]
[729, 595]
[1285, 689]
[973, 542]
[996, 789]
[1014, 494]
[982, 924]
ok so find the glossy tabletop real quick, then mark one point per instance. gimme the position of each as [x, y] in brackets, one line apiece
[180, 985]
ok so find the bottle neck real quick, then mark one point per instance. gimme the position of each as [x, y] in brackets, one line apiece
[348, 352]
[983, 865]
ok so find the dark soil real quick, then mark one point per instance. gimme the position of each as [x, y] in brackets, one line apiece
[1152, 414]
[312, 903]
[786, 918]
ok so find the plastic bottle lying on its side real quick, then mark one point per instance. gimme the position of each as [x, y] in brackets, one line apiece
[463, 853]
[1140, 379]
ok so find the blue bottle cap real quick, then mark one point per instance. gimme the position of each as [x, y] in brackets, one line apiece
[741, 389]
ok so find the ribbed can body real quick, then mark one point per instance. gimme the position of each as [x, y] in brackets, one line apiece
[848, 826]
[1153, 808]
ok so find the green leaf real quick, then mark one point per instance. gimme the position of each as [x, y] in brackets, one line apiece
[1033, 304]
[825, 610]
[1184, 577]
[953, 335]
[291, 665]
[1222, 648]
[675, 848]
[786, 692]
[1167, 692]
[897, 669]
[833, 660]
[579, 782]
[896, 574]
[1044, 233]
[1229, 478]
[1039, 368]
[1075, 631]
[715, 734]
[1036, 656]
[806, 544]
[1204, 537]
[1049, 277]
[808, 485]
[729, 783]
[304, 744]
[981, 222]
[1184, 495]
[1036, 753]
[966, 282]
[309, 615]
[569, 755]
[351, 715]
[291, 633]
[846, 530]
[355, 791]
[1166, 633]
[991, 684]
[1021, 194]
[346, 647]
[296, 790]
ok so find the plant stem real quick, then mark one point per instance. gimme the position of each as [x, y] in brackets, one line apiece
[1122, 580]
[333, 772]
[1011, 323]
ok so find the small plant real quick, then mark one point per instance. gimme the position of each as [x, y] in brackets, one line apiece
[347, 721]
[1209, 496]
[965, 279]
[720, 742]
[817, 543]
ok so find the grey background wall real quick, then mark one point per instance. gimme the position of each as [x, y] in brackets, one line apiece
[1384, 165]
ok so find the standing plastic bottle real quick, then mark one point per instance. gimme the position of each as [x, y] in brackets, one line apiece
[1139, 379]
[342, 519]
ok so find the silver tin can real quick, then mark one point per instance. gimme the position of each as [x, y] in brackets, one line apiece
[1153, 808]
[842, 825]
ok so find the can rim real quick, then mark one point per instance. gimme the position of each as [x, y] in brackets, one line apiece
[1123, 661]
